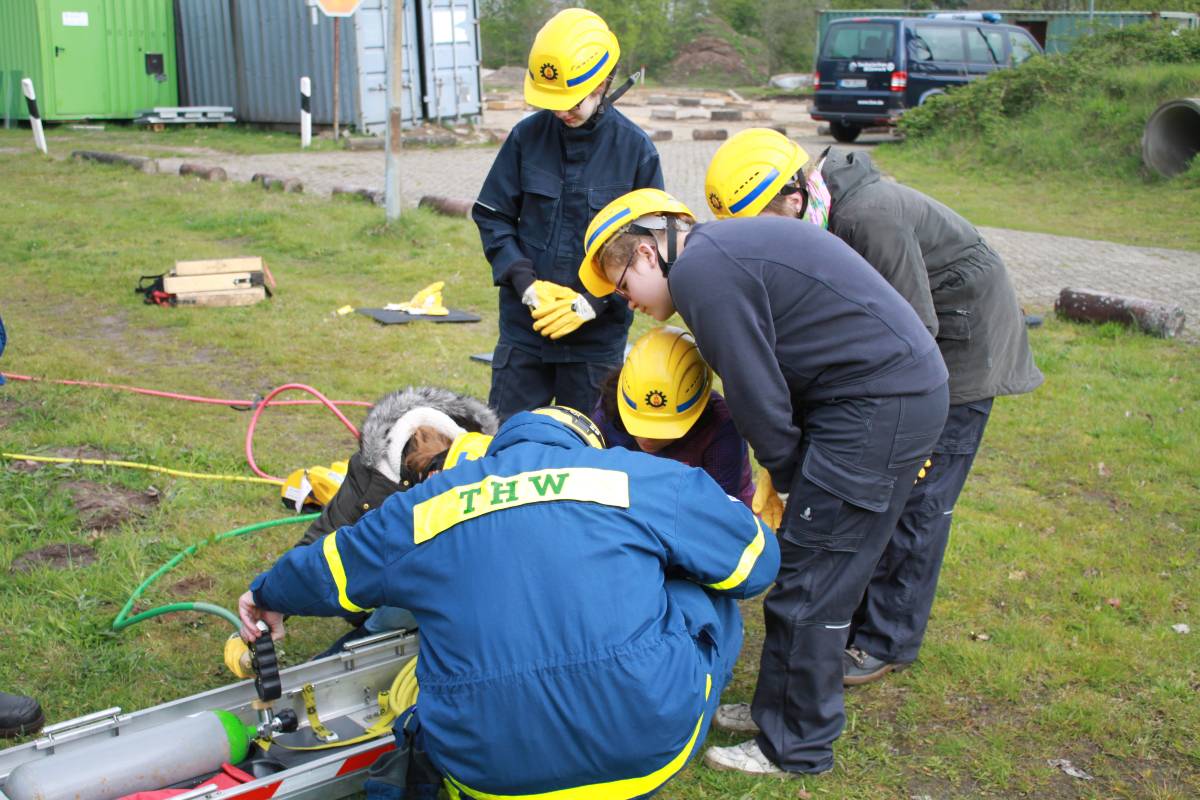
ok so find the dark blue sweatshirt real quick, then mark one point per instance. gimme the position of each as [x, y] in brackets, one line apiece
[790, 316]
[546, 184]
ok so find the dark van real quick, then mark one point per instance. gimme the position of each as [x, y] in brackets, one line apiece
[870, 69]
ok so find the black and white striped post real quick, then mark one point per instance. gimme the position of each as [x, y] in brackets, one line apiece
[305, 112]
[35, 119]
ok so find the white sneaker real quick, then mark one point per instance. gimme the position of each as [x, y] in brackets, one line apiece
[735, 717]
[745, 758]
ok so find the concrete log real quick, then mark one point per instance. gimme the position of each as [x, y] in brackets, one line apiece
[659, 134]
[140, 163]
[203, 172]
[1164, 320]
[689, 102]
[447, 206]
[726, 115]
[360, 143]
[273, 182]
[709, 134]
[663, 113]
[369, 195]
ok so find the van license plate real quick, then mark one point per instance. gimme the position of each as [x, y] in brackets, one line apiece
[853, 83]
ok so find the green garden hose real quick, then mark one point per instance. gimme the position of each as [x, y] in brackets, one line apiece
[122, 619]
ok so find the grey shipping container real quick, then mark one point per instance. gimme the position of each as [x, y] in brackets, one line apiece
[251, 54]
[1055, 31]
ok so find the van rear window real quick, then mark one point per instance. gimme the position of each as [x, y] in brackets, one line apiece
[860, 40]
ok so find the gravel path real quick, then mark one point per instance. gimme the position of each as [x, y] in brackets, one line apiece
[1041, 264]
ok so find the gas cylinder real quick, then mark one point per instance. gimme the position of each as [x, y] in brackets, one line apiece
[114, 766]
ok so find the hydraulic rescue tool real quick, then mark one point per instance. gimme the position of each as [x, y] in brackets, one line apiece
[268, 728]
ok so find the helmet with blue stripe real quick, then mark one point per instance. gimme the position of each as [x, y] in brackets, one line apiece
[572, 54]
[664, 386]
[749, 170]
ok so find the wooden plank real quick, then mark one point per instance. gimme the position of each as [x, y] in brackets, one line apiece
[210, 266]
[235, 297]
[222, 281]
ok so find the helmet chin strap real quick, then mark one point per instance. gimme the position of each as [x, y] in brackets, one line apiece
[665, 264]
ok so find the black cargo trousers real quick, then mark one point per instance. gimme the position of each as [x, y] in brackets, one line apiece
[891, 620]
[859, 458]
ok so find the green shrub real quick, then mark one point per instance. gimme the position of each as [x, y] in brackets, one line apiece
[1082, 111]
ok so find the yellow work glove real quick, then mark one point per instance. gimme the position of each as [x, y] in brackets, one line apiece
[924, 470]
[555, 320]
[427, 302]
[767, 503]
[542, 294]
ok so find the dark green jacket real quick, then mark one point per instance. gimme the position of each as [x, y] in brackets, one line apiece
[938, 262]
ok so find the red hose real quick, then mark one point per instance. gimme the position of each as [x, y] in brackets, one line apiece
[267, 401]
[258, 406]
[189, 397]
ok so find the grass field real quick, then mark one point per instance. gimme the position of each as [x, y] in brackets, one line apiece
[1074, 553]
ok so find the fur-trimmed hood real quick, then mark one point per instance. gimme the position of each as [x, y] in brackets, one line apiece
[376, 445]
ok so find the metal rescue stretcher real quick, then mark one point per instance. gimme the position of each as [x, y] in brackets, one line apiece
[345, 687]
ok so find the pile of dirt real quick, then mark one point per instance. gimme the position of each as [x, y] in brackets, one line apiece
[719, 56]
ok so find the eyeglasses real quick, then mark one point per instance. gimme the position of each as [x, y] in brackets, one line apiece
[619, 286]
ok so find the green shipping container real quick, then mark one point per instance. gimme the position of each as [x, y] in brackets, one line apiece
[97, 59]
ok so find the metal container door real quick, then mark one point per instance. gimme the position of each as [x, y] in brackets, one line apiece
[79, 55]
[450, 39]
[372, 24]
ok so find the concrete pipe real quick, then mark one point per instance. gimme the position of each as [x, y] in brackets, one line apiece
[1172, 136]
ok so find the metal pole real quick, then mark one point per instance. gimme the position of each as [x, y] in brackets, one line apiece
[337, 57]
[305, 112]
[395, 85]
[35, 119]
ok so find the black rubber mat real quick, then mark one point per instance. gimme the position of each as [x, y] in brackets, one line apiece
[385, 317]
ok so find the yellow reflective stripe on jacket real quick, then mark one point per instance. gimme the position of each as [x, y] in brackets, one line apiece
[334, 559]
[746, 562]
[611, 790]
[497, 493]
[470, 446]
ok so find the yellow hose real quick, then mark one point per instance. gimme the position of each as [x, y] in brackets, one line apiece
[395, 701]
[103, 462]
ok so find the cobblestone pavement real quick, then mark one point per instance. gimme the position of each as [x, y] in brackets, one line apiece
[1041, 264]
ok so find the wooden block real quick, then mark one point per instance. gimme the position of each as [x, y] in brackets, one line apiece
[726, 115]
[222, 281]
[235, 297]
[709, 134]
[210, 266]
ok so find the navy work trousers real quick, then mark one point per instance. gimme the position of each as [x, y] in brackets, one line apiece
[859, 458]
[521, 381]
[890, 621]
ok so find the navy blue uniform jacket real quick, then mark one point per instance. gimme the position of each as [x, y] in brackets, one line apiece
[545, 185]
[552, 655]
[788, 315]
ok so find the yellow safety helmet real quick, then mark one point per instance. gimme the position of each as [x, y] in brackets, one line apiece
[749, 169]
[578, 422]
[645, 207]
[664, 386]
[470, 446]
[313, 487]
[571, 55]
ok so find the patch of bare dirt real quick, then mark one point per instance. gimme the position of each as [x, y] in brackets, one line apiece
[714, 53]
[103, 507]
[190, 587]
[55, 556]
